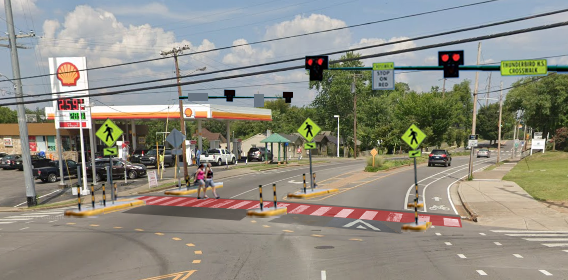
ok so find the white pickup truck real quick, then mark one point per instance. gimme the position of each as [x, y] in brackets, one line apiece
[218, 157]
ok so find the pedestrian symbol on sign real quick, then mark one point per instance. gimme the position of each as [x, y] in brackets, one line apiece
[413, 135]
[309, 129]
[108, 131]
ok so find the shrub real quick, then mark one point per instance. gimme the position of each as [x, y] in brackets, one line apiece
[379, 161]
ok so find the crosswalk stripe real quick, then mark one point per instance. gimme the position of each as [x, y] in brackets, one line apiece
[240, 204]
[546, 239]
[4, 223]
[16, 219]
[299, 209]
[174, 201]
[32, 216]
[368, 215]
[320, 211]
[344, 213]
[537, 235]
[556, 244]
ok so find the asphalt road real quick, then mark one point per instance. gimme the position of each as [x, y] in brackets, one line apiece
[150, 242]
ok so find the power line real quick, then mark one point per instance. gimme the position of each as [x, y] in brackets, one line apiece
[449, 43]
[319, 32]
[542, 27]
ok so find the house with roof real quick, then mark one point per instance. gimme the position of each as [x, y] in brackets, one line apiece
[210, 136]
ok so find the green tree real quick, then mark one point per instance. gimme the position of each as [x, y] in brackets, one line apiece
[487, 122]
[8, 116]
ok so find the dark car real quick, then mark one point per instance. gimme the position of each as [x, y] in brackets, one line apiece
[37, 162]
[135, 157]
[51, 172]
[442, 157]
[133, 170]
[259, 153]
[9, 161]
[2, 155]
[151, 158]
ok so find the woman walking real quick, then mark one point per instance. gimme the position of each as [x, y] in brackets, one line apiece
[199, 179]
[209, 181]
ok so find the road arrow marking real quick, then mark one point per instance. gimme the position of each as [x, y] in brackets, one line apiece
[437, 198]
[174, 276]
[359, 221]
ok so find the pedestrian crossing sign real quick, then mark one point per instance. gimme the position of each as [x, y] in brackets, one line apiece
[309, 146]
[309, 129]
[109, 133]
[413, 137]
[414, 154]
[111, 151]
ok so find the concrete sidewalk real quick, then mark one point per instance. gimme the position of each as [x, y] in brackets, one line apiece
[494, 202]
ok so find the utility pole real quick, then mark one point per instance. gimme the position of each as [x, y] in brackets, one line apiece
[353, 91]
[23, 126]
[488, 90]
[175, 52]
[499, 124]
[474, 110]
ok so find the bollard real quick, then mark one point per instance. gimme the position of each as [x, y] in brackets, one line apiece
[93, 195]
[274, 189]
[304, 182]
[187, 182]
[115, 193]
[104, 196]
[79, 197]
[260, 190]
[314, 178]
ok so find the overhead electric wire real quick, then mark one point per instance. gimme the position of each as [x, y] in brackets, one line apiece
[449, 43]
[301, 35]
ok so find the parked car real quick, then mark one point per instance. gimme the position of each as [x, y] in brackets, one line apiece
[51, 172]
[135, 157]
[440, 157]
[9, 161]
[151, 158]
[483, 152]
[2, 155]
[37, 162]
[133, 170]
[218, 157]
[259, 153]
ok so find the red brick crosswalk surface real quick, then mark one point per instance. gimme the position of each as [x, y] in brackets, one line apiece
[308, 209]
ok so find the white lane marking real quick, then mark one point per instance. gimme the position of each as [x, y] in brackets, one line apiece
[448, 243]
[3, 223]
[518, 256]
[555, 244]
[446, 176]
[39, 197]
[49, 212]
[270, 184]
[528, 231]
[344, 213]
[545, 272]
[481, 272]
[537, 235]
[461, 256]
[497, 243]
[432, 227]
[481, 233]
[546, 239]
[30, 216]
[15, 219]
[24, 228]
[437, 233]
[323, 275]
[562, 250]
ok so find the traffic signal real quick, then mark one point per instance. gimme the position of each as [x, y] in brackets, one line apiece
[288, 96]
[451, 60]
[316, 65]
[229, 93]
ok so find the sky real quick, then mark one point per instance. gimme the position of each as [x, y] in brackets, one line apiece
[113, 32]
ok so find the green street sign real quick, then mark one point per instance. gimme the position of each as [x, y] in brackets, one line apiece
[383, 66]
[309, 146]
[309, 129]
[524, 67]
[413, 137]
[112, 151]
[414, 154]
[109, 133]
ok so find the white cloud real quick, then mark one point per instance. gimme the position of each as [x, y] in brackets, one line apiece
[246, 54]
[161, 10]
[400, 59]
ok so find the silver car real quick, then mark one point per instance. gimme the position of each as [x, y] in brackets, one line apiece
[483, 153]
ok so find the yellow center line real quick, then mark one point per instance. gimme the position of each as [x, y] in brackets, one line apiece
[198, 252]
[253, 221]
[138, 229]
[265, 226]
[70, 223]
[117, 227]
[288, 230]
[196, 261]
[158, 233]
[317, 235]
[355, 239]
[94, 225]
[176, 238]
[190, 245]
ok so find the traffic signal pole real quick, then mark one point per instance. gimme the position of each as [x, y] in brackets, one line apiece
[474, 111]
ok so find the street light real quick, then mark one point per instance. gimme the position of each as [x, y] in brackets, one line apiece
[337, 116]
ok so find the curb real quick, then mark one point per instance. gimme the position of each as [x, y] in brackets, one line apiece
[188, 191]
[103, 210]
[472, 215]
[310, 195]
[269, 213]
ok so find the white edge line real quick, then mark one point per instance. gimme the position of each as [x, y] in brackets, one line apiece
[323, 275]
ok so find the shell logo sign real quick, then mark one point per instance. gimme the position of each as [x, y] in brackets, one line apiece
[68, 74]
[188, 112]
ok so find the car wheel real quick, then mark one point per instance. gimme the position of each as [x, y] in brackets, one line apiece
[219, 163]
[44, 180]
[52, 178]
[429, 164]
[446, 164]
[233, 161]
[132, 175]
[450, 163]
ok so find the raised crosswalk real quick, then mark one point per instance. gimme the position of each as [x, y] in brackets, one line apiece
[551, 239]
[308, 209]
[31, 216]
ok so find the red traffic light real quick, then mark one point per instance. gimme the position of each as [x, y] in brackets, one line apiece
[445, 57]
[455, 57]
[310, 62]
[320, 61]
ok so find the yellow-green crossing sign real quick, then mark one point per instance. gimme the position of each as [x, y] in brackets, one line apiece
[413, 137]
[309, 129]
[532, 67]
[109, 133]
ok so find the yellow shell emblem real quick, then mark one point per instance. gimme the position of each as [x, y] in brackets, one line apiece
[68, 74]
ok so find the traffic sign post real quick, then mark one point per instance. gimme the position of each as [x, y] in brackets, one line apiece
[176, 138]
[383, 76]
[309, 129]
[414, 137]
[374, 153]
[109, 133]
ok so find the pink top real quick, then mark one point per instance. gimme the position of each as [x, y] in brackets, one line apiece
[200, 174]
